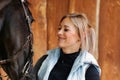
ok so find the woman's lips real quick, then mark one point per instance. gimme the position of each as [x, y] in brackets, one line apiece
[61, 38]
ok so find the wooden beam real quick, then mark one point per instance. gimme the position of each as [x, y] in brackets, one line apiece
[109, 39]
[72, 6]
[39, 27]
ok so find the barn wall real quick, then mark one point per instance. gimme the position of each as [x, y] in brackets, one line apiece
[109, 39]
[39, 27]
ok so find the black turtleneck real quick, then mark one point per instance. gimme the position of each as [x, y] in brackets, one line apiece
[63, 67]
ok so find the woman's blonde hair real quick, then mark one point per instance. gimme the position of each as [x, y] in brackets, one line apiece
[86, 32]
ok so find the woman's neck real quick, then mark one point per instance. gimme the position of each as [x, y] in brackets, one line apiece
[69, 51]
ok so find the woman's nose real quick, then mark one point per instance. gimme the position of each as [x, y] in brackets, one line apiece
[60, 32]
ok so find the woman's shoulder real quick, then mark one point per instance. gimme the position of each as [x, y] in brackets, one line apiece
[89, 58]
[41, 59]
[39, 63]
[92, 73]
[93, 64]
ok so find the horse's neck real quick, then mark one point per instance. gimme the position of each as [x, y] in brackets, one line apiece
[3, 3]
[14, 41]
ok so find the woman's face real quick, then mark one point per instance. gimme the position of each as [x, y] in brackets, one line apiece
[68, 34]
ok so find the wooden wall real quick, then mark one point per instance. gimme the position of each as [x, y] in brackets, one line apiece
[109, 39]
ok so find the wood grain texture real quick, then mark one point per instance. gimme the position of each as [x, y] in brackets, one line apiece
[88, 7]
[55, 10]
[39, 27]
[109, 39]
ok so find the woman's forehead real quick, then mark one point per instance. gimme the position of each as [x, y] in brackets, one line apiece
[67, 22]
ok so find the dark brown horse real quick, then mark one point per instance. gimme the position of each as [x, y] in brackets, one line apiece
[16, 39]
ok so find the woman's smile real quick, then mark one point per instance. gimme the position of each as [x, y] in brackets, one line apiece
[68, 36]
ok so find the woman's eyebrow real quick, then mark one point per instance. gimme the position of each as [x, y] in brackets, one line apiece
[66, 26]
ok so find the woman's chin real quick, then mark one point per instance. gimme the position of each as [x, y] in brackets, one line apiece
[61, 45]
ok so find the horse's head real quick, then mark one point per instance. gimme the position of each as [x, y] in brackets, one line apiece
[15, 38]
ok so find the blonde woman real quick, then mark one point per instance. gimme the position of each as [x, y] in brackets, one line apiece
[71, 60]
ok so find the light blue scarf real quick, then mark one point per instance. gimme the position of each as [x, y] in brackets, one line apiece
[78, 70]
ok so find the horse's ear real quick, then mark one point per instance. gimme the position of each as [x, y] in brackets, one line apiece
[3, 3]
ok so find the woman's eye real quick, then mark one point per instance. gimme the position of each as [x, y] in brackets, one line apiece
[66, 29]
[59, 28]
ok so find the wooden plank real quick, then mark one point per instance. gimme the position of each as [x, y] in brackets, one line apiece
[88, 7]
[109, 38]
[39, 27]
[55, 10]
[3, 75]
[91, 9]
[72, 6]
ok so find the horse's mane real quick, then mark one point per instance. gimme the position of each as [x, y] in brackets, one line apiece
[3, 3]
